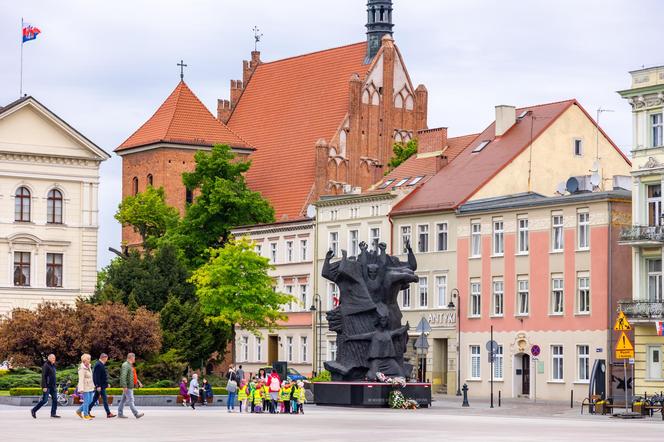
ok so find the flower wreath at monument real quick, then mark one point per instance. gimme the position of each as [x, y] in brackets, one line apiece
[396, 399]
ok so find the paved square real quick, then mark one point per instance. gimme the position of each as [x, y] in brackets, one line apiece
[444, 421]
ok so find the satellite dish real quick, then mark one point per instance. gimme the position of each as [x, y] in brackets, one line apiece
[311, 211]
[561, 188]
[595, 179]
[572, 185]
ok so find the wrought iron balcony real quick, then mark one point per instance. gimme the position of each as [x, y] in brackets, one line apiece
[646, 235]
[643, 310]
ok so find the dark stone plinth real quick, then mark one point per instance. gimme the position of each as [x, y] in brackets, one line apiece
[367, 394]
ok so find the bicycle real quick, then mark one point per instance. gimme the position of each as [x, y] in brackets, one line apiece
[63, 393]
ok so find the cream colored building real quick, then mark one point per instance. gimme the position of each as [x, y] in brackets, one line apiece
[289, 245]
[646, 236]
[49, 181]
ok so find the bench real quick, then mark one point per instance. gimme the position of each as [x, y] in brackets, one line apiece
[180, 399]
[77, 401]
[591, 403]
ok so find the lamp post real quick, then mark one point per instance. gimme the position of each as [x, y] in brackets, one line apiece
[317, 308]
[456, 295]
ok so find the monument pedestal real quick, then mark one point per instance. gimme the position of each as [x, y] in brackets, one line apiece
[367, 394]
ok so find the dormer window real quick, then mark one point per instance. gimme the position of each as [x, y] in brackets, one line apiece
[386, 184]
[415, 180]
[481, 146]
[401, 182]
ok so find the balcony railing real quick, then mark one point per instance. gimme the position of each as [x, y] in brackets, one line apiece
[644, 310]
[643, 233]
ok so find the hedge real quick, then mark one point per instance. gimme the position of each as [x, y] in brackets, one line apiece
[118, 391]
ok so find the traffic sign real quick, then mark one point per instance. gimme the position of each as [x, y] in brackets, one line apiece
[624, 348]
[535, 350]
[622, 324]
[423, 327]
[491, 346]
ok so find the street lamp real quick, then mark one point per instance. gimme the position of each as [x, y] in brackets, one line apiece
[317, 306]
[456, 295]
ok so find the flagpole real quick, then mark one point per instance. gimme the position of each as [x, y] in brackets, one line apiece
[20, 94]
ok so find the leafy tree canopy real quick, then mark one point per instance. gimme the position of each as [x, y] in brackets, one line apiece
[234, 288]
[148, 214]
[402, 151]
[223, 201]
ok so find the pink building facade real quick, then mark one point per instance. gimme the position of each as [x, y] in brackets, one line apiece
[545, 272]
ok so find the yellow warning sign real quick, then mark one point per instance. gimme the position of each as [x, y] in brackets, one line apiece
[624, 348]
[622, 323]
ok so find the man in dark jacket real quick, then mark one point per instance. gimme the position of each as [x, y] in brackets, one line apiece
[100, 378]
[48, 385]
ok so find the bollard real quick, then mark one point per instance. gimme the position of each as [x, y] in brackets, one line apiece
[465, 396]
[499, 394]
[571, 399]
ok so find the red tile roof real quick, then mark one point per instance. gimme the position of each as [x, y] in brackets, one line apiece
[183, 119]
[456, 145]
[287, 106]
[460, 179]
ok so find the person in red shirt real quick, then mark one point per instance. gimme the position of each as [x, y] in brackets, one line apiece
[274, 384]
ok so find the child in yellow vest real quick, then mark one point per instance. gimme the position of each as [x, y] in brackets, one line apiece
[266, 397]
[258, 398]
[242, 395]
[285, 396]
[301, 398]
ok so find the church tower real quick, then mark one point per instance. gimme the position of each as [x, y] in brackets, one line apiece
[379, 23]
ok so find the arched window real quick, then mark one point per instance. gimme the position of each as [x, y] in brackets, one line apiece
[188, 196]
[150, 179]
[134, 186]
[54, 207]
[22, 204]
[342, 143]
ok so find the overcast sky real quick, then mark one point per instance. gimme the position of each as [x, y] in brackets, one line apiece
[105, 66]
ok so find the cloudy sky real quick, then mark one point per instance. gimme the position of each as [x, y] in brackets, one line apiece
[105, 66]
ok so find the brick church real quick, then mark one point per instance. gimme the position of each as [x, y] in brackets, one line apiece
[314, 124]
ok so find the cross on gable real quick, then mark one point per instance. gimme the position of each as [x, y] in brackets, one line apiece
[182, 66]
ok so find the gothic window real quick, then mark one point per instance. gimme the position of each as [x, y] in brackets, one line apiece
[22, 204]
[366, 96]
[342, 143]
[54, 207]
[398, 138]
[134, 186]
[398, 101]
[375, 99]
[409, 102]
[188, 196]
[150, 179]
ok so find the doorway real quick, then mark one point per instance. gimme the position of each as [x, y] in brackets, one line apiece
[521, 375]
[654, 363]
[272, 349]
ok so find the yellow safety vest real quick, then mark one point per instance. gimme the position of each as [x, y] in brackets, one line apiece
[285, 392]
[258, 397]
[242, 393]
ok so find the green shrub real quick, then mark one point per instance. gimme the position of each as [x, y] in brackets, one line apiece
[117, 391]
[161, 384]
[323, 376]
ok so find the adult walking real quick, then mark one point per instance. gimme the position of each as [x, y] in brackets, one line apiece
[240, 375]
[100, 379]
[231, 375]
[274, 383]
[48, 384]
[231, 388]
[86, 386]
[128, 380]
[193, 390]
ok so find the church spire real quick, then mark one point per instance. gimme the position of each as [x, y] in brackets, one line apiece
[379, 23]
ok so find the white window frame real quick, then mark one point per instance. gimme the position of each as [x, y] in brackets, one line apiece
[406, 233]
[333, 242]
[557, 363]
[583, 363]
[522, 296]
[475, 239]
[655, 202]
[498, 237]
[423, 291]
[273, 252]
[405, 296]
[475, 299]
[583, 294]
[245, 348]
[423, 238]
[475, 353]
[523, 237]
[374, 237]
[654, 290]
[557, 286]
[442, 237]
[656, 129]
[583, 229]
[498, 364]
[304, 249]
[498, 298]
[289, 349]
[353, 242]
[332, 289]
[577, 147]
[259, 249]
[557, 232]
[304, 349]
[288, 288]
[290, 251]
[332, 350]
[304, 296]
[441, 290]
[259, 349]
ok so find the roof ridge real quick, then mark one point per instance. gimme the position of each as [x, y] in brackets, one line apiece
[177, 100]
[548, 104]
[310, 53]
[476, 134]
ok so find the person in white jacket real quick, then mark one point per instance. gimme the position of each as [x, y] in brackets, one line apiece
[86, 386]
[193, 390]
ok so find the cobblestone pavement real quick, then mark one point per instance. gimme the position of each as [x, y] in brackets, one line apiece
[446, 421]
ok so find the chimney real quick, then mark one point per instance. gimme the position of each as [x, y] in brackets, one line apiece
[421, 103]
[223, 110]
[441, 161]
[505, 118]
[236, 91]
[248, 67]
[322, 157]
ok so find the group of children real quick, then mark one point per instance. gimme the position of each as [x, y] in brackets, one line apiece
[255, 397]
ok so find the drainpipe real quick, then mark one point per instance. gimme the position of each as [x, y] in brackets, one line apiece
[316, 363]
[389, 219]
[610, 301]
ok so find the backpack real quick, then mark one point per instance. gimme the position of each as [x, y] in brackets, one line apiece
[274, 384]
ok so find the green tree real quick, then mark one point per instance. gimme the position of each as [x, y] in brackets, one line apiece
[402, 151]
[146, 279]
[234, 289]
[186, 330]
[223, 201]
[148, 214]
